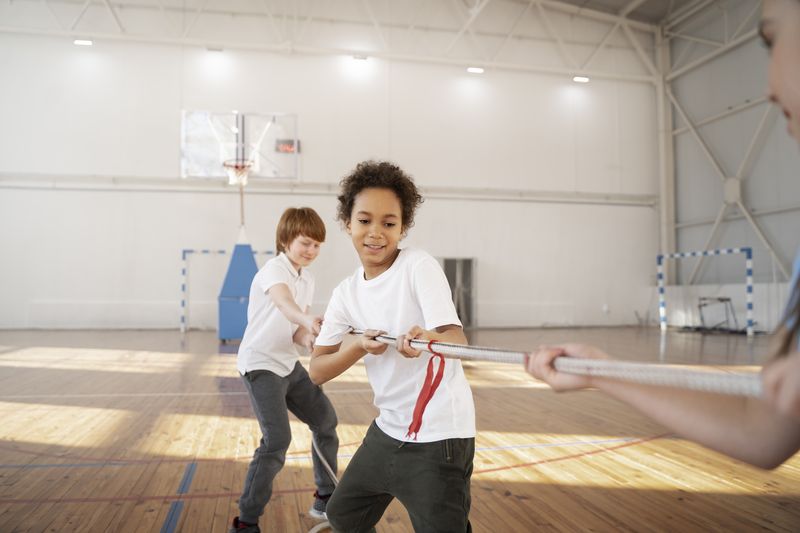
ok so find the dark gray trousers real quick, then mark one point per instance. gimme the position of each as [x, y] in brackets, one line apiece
[430, 479]
[273, 397]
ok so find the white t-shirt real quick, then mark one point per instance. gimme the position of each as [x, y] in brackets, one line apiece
[413, 292]
[267, 342]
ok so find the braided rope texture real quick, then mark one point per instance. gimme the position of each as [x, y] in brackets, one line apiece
[736, 384]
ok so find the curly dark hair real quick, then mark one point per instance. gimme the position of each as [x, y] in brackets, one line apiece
[379, 175]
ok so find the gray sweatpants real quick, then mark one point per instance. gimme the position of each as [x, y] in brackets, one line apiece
[273, 397]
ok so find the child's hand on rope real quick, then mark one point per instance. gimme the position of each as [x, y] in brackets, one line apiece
[370, 345]
[541, 365]
[304, 338]
[312, 323]
[404, 341]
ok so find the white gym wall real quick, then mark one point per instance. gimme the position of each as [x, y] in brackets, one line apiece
[79, 118]
[552, 186]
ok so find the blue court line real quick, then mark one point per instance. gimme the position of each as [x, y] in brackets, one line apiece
[171, 522]
[174, 514]
[188, 475]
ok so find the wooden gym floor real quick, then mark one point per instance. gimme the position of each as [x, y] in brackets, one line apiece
[146, 431]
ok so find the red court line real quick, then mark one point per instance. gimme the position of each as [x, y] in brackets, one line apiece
[200, 496]
[572, 456]
[165, 498]
[92, 459]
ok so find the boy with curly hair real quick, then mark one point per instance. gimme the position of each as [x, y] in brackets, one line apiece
[420, 448]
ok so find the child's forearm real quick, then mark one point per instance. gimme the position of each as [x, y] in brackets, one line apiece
[451, 335]
[326, 366]
[290, 310]
[744, 428]
[299, 335]
[286, 304]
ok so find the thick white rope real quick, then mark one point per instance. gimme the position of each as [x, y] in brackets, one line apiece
[322, 526]
[735, 384]
[325, 464]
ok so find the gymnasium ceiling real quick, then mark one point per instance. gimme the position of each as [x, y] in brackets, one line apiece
[587, 37]
[651, 11]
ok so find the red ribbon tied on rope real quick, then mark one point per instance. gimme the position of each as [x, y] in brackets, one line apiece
[428, 388]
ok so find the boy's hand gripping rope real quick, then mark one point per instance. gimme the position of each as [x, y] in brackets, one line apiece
[735, 384]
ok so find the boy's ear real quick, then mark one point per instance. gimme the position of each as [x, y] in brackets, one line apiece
[347, 228]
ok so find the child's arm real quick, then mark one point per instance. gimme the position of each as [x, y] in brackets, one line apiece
[450, 333]
[744, 428]
[327, 362]
[782, 385]
[303, 337]
[288, 307]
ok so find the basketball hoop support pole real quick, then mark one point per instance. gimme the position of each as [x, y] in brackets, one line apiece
[241, 204]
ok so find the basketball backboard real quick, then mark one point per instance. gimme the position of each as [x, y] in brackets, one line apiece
[268, 140]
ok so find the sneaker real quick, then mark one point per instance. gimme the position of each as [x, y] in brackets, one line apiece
[243, 527]
[318, 510]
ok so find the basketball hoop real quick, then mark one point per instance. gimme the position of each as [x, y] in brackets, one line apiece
[238, 170]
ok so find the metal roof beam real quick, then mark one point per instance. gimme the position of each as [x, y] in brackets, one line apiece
[513, 29]
[197, 13]
[754, 11]
[114, 16]
[375, 24]
[319, 50]
[732, 216]
[713, 55]
[555, 35]
[699, 138]
[275, 27]
[631, 7]
[686, 13]
[163, 10]
[80, 14]
[720, 116]
[474, 13]
[597, 15]
[53, 13]
[708, 42]
[419, 9]
[263, 11]
[646, 60]
[307, 22]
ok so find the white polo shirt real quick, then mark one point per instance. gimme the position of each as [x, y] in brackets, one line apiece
[414, 291]
[267, 342]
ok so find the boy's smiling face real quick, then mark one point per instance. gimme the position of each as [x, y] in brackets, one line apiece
[302, 251]
[375, 226]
